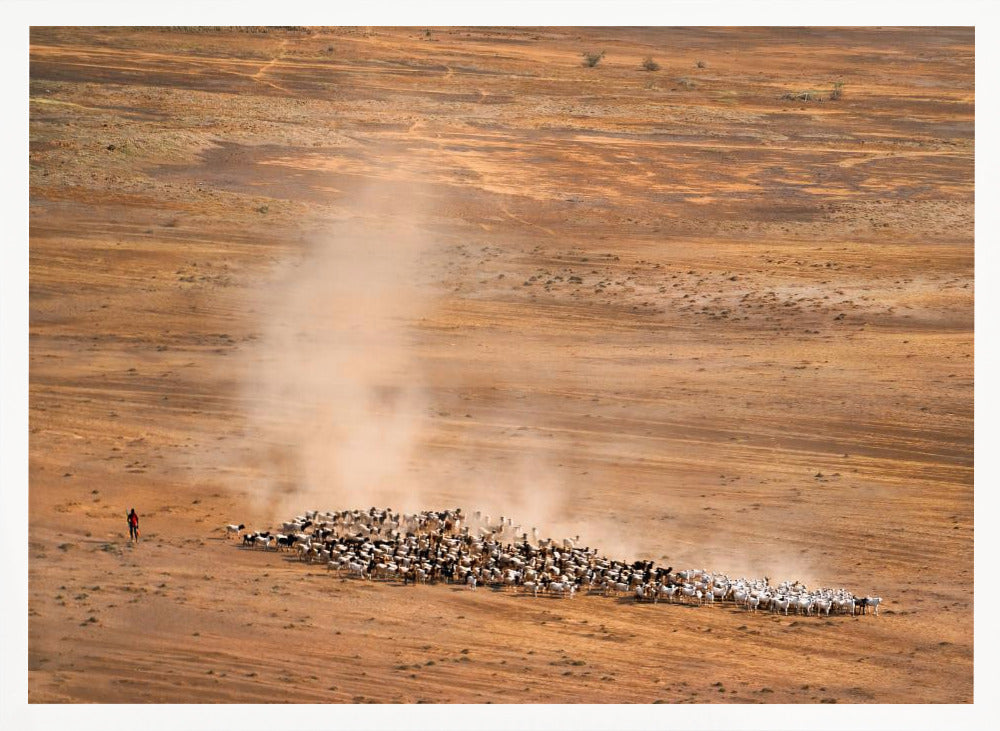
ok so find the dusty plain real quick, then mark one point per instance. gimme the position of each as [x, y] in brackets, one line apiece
[720, 327]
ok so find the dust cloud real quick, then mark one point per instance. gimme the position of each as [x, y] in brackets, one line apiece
[345, 387]
[342, 388]
[334, 396]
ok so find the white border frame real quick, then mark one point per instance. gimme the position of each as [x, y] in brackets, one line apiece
[20, 15]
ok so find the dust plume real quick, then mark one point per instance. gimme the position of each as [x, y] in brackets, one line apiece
[357, 389]
[334, 397]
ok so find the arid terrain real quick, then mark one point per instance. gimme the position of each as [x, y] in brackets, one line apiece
[718, 314]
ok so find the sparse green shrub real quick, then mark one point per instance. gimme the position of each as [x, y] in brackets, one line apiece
[591, 59]
[838, 91]
[650, 65]
[686, 82]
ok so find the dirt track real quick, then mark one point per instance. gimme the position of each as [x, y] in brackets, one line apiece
[668, 310]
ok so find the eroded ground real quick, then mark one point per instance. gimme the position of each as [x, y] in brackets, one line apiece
[671, 311]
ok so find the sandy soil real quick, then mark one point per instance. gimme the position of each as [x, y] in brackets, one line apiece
[670, 311]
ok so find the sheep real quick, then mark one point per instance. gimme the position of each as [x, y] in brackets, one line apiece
[562, 589]
[570, 543]
[422, 547]
[669, 592]
[690, 592]
[511, 578]
[845, 606]
[868, 601]
[643, 593]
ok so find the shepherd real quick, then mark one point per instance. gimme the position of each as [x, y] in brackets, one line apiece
[133, 526]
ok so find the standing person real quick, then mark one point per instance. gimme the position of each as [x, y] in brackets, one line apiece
[133, 525]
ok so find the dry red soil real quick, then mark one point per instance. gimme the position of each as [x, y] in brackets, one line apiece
[672, 311]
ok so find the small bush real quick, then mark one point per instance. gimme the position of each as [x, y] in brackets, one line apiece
[591, 59]
[650, 65]
[838, 91]
[686, 83]
[701, 64]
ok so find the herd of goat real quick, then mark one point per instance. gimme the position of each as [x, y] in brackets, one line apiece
[472, 550]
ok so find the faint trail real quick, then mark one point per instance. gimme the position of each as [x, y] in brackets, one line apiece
[852, 161]
[721, 144]
[511, 216]
[52, 52]
[267, 66]
[56, 54]
[37, 100]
